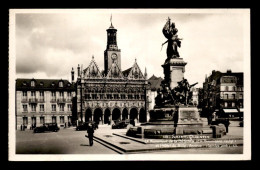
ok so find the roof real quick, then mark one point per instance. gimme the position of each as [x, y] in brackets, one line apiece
[216, 75]
[43, 84]
[126, 72]
[239, 76]
[155, 82]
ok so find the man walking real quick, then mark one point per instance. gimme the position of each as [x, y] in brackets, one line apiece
[90, 131]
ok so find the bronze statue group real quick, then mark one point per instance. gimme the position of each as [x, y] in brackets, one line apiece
[181, 94]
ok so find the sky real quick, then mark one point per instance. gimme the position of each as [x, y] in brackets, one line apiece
[48, 45]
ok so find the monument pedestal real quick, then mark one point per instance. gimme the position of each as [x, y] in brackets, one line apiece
[174, 69]
[168, 122]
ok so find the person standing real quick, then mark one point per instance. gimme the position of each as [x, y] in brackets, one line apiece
[90, 131]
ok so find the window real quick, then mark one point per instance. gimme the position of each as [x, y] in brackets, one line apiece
[61, 94]
[225, 104]
[25, 108]
[226, 96]
[42, 121]
[41, 108]
[142, 97]
[87, 96]
[122, 96]
[94, 96]
[61, 107]
[241, 96]
[101, 96]
[69, 94]
[233, 104]
[33, 93]
[109, 96]
[25, 120]
[33, 107]
[226, 88]
[53, 119]
[136, 96]
[69, 107]
[41, 93]
[230, 88]
[24, 93]
[130, 96]
[233, 96]
[61, 119]
[53, 94]
[60, 84]
[32, 83]
[53, 107]
[116, 96]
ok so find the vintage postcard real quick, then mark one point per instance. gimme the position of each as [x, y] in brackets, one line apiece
[129, 84]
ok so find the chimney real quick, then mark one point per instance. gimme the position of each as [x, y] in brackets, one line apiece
[229, 71]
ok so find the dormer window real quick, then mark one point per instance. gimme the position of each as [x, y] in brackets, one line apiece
[24, 83]
[52, 84]
[32, 83]
[60, 84]
[41, 83]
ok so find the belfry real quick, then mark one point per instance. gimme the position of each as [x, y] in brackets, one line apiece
[111, 94]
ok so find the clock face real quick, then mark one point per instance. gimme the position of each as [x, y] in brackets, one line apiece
[114, 56]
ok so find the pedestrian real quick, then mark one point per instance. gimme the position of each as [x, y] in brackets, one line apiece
[90, 131]
[227, 124]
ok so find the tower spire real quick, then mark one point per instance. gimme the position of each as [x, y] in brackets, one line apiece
[145, 73]
[111, 25]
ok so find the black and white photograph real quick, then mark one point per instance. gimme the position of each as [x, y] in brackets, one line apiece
[129, 84]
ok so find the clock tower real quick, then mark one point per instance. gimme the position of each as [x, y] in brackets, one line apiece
[112, 54]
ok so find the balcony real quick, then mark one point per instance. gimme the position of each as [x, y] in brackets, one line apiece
[69, 100]
[53, 101]
[62, 100]
[33, 100]
[41, 100]
[24, 100]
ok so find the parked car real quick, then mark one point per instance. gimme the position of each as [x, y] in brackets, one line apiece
[120, 124]
[84, 126]
[47, 127]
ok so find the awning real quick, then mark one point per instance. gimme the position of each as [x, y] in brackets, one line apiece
[230, 110]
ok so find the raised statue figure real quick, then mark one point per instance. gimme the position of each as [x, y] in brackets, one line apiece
[170, 32]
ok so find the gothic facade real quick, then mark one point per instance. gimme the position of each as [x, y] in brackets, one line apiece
[111, 94]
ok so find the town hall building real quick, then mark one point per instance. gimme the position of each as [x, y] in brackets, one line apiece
[111, 94]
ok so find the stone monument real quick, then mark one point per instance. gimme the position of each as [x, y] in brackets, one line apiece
[173, 113]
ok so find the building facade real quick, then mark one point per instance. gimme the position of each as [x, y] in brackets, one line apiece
[224, 93]
[111, 94]
[154, 84]
[195, 96]
[40, 101]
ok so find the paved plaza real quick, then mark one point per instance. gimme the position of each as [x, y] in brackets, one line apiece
[70, 141]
